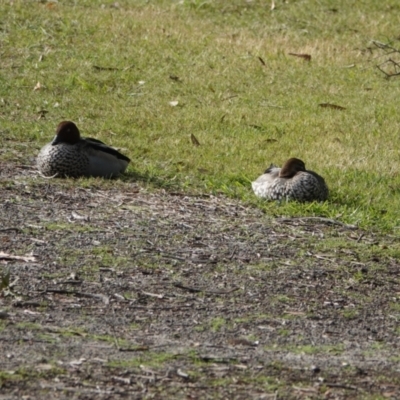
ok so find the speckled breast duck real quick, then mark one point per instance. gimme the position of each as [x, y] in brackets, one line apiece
[291, 182]
[71, 155]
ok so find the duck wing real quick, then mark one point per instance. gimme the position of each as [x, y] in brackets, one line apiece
[95, 141]
[98, 145]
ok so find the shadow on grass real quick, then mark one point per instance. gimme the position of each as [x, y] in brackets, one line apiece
[157, 181]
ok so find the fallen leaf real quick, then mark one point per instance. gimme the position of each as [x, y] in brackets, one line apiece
[75, 363]
[119, 296]
[5, 279]
[75, 215]
[270, 140]
[194, 140]
[305, 57]
[241, 342]
[29, 312]
[158, 296]
[240, 366]
[261, 61]
[38, 86]
[42, 114]
[175, 78]
[182, 374]
[334, 106]
[73, 276]
[173, 103]
[258, 127]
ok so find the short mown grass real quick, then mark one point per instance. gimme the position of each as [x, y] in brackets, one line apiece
[115, 68]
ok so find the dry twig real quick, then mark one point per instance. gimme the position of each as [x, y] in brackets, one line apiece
[390, 62]
[197, 290]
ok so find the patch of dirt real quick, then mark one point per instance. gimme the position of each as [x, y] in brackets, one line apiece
[127, 293]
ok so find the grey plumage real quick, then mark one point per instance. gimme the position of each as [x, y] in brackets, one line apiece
[291, 182]
[70, 155]
[63, 161]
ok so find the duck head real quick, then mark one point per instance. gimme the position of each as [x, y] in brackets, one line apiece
[67, 132]
[291, 168]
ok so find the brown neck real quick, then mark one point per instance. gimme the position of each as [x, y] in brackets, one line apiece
[291, 168]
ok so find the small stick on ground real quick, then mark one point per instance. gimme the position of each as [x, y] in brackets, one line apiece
[197, 290]
[102, 297]
[10, 229]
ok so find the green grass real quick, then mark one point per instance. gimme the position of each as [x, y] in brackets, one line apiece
[308, 349]
[114, 71]
[218, 324]
[25, 373]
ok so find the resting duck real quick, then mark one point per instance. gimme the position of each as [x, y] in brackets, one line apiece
[291, 182]
[71, 155]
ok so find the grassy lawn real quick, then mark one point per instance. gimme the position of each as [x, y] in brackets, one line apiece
[145, 76]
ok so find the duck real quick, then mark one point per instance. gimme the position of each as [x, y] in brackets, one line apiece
[291, 182]
[70, 155]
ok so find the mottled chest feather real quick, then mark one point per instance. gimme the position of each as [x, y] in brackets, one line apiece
[63, 160]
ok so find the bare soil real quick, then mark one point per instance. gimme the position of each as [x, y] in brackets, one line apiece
[127, 292]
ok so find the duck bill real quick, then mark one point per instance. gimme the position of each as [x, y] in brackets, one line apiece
[55, 141]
